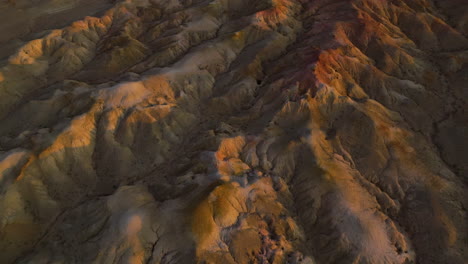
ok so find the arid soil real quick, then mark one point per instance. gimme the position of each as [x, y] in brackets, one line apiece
[234, 131]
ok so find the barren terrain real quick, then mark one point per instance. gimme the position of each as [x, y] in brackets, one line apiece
[234, 131]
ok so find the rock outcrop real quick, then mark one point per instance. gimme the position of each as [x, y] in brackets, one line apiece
[234, 131]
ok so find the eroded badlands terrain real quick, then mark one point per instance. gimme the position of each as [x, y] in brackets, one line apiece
[233, 131]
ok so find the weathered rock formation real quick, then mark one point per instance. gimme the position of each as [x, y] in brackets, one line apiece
[234, 131]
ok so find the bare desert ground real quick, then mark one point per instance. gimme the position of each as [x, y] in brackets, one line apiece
[234, 131]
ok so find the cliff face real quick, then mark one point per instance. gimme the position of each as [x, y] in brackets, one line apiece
[234, 131]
